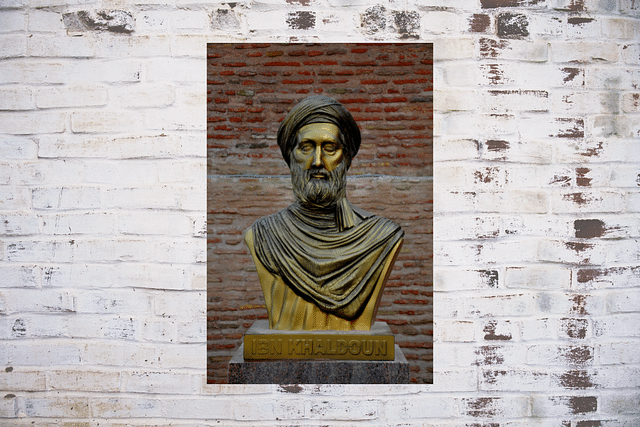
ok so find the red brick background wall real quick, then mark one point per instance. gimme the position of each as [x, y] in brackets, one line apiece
[388, 88]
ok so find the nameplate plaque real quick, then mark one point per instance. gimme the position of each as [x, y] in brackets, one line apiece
[262, 343]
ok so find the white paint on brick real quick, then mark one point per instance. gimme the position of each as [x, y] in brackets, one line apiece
[102, 201]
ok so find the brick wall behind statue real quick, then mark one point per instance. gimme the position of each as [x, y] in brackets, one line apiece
[389, 90]
[103, 137]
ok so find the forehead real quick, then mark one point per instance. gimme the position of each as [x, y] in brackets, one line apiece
[320, 132]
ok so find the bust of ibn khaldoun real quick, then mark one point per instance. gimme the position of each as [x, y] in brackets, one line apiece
[322, 262]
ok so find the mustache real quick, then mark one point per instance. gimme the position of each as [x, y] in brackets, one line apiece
[318, 187]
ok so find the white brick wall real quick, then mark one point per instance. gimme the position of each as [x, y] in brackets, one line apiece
[102, 212]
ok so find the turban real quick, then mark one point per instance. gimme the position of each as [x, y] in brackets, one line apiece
[318, 109]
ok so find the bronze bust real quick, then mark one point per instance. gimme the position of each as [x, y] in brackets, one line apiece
[322, 262]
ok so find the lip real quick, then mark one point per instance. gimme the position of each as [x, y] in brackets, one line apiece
[318, 176]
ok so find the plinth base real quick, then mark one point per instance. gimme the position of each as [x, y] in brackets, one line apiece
[318, 371]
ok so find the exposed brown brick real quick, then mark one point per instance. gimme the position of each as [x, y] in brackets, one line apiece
[588, 228]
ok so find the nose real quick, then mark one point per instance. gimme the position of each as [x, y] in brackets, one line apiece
[317, 157]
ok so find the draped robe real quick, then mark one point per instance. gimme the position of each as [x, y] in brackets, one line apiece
[333, 258]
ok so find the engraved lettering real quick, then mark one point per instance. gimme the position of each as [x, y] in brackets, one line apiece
[380, 348]
[275, 347]
[342, 347]
[331, 346]
[263, 346]
[307, 346]
[295, 346]
[367, 347]
[354, 347]
[318, 348]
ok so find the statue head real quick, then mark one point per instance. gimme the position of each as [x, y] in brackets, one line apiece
[318, 140]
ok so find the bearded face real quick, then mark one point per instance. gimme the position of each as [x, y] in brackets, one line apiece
[318, 188]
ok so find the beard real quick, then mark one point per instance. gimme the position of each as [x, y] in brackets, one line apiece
[318, 193]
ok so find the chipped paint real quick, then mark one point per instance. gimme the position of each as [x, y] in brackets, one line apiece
[479, 23]
[490, 332]
[588, 228]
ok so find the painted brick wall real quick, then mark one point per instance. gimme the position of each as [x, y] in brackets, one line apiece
[102, 199]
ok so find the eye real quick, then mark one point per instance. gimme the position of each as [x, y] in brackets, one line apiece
[305, 147]
[330, 148]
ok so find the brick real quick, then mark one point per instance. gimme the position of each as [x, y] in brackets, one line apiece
[541, 277]
[30, 325]
[455, 149]
[17, 98]
[18, 148]
[436, 22]
[583, 51]
[147, 96]
[622, 325]
[69, 47]
[84, 380]
[615, 353]
[74, 96]
[117, 301]
[623, 301]
[43, 354]
[500, 305]
[580, 27]
[455, 331]
[571, 252]
[45, 21]
[614, 403]
[125, 407]
[189, 20]
[64, 198]
[463, 47]
[185, 407]
[493, 407]
[47, 301]
[18, 225]
[579, 356]
[104, 121]
[539, 329]
[415, 408]
[39, 251]
[20, 276]
[619, 28]
[266, 410]
[33, 72]
[151, 222]
[515, 201]
[173, 382]
[520, 380]
[545, 25]
[522, 50]
[176, 70]
[617, 377]
[564, 406]
[33, 122]
[121, 327]
[631, 54]
[22, 379]
[188, 306]
[13, 21]
[12, 46]
[456, 279]
[112, 71]
[591, 201]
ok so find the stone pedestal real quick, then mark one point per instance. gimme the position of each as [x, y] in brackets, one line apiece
[318, 357]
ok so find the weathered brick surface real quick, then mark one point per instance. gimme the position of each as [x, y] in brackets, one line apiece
[103, 146]
[388, 89]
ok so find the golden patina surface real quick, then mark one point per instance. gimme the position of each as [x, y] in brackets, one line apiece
[322, 262]
[289, 311]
